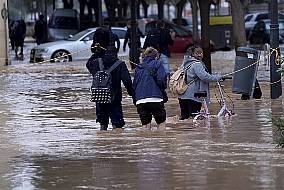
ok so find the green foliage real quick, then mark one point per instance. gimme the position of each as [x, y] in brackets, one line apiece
[279, 123]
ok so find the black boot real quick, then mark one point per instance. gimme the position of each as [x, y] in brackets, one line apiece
[103, 127]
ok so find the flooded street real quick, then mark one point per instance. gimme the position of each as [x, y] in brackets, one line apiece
[50, 140]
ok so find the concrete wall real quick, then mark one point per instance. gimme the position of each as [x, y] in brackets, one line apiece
[3, 34]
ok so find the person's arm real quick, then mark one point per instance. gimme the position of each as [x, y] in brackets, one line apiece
[146, 42]
[126, 79]
[125, 40]
[170, 39]
[161, 76]
[91, 65]
[203, 75]
[118, 42]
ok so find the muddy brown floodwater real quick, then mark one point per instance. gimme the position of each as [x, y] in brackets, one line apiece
[49, 139]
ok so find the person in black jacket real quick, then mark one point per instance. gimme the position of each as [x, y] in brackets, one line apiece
[40, 30]
[20, 34]
[127, 40]
[101, 49]
[160, 38]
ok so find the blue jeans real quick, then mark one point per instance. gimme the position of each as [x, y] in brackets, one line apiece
[166, 64]
[112, 111]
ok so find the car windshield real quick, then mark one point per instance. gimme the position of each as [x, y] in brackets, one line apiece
[79, 35]
[61, 22]
[281, 25]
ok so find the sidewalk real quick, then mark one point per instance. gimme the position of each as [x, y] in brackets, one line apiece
[29, 39]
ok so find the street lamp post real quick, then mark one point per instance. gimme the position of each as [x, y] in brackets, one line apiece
[275, 64]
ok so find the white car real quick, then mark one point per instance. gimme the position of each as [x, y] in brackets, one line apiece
[78, 47]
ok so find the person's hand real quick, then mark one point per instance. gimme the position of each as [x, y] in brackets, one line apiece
[219, 77]
[173, 34]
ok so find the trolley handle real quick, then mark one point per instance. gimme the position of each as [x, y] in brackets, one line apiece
[226, 77]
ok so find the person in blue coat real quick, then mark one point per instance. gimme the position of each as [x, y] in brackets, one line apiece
[189, 104]
[149, 84]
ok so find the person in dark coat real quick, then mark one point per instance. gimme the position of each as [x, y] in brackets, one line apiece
[114, 40]
[161, 38]
[12, 34]
[150, 80]
[101, 49]
[127, 40]
[20, 34]
[40, 30]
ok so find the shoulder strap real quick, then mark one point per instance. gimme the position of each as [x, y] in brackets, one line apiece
[118, 62]
[188, 67]
[101, 64]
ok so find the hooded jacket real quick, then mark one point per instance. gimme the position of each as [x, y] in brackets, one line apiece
[202, 78]
[150, 79]
[120, 73]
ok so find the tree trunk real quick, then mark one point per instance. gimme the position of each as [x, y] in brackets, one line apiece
[110, 5]
[205, 41]
[145, 7]
[180, 6]
[194, 8]
[124, 5]
[82, 8]
[160, 9]
[138, 9]
[239, 34]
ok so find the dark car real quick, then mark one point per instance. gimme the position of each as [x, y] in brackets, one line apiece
[183, 38]
[260, 34]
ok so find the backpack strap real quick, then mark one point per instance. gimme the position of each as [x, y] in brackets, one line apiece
[101, 63]
[188, 67]
[118, 62]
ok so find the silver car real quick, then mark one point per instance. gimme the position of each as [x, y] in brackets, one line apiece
[75, 48]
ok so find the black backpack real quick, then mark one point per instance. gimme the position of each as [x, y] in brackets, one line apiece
[101, 87]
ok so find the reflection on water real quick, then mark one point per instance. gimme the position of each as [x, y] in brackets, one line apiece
[50, 117]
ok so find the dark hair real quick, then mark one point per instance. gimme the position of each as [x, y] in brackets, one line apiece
[101, 39]
[41, 17]
[191, 49]
[160, 23]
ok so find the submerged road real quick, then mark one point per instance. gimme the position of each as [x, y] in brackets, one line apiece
[49, 138]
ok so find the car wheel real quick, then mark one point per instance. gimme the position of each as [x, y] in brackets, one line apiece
[61, 56]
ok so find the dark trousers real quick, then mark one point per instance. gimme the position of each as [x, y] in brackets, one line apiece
[112, 111]
[188, 108]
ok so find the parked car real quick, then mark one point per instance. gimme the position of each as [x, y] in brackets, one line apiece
[78, 46]
[62, 23]
[260, 34]
[252, 18]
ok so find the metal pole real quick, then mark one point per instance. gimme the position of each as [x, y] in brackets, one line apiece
[275, 77]
[134, 57]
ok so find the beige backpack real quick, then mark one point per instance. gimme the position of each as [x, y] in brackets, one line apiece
[177, 83]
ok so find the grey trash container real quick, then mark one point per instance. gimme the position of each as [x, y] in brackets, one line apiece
[244, 81]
